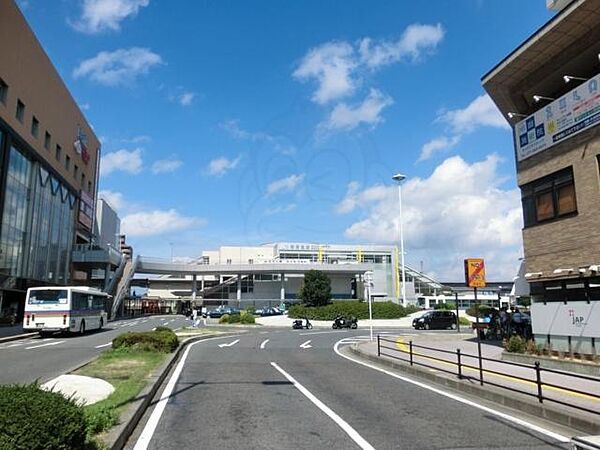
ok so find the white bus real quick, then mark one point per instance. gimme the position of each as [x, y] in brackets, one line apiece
[65, 308]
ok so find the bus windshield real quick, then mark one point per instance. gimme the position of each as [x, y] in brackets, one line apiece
[47, 297]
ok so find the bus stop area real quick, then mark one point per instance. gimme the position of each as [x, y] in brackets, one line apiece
[454, 360]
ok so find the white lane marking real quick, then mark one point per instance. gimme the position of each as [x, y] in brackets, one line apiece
[264, 332]
[44, 345]
[558, 437]
[263, 343]
[362, 443]
[321, 332]
[103, 345]
[230, 344]
[148, 431]
[306, 345]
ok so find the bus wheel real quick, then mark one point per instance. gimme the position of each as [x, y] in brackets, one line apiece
[82, 327]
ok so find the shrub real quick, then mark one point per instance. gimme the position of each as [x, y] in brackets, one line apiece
[483, 310]
[32, 419]
[167, 329]
[360, 310]
[445, 306]
[410, 309]
[224, 318]
[464, 321]
[534, 349]
[235, 318]
[99, 418]
[316, 289]
[247, 319]
[515, 344]
[164, 341]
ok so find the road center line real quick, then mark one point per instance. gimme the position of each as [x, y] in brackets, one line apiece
[362, 443]
[44, 345]
[103, 345]
[262, 345]
[523, 423]
[148, 431]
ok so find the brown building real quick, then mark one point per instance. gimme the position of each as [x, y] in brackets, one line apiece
[549, 89]
[48, 166]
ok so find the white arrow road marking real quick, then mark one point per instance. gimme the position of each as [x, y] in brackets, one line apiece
[362, 443]
[230, 344]
[306, 345]
[44, 345]
[103, 345]
[262, 345]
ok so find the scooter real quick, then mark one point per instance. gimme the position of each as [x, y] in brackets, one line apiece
[298, 325]
[341, 322]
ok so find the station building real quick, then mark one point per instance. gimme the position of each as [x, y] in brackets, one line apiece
[49, 159]
[258, 285]
[549, 90]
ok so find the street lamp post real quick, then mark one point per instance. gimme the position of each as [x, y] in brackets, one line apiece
[398, 178]
[368, 284]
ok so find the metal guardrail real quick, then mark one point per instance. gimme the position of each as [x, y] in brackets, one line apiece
[458, 361]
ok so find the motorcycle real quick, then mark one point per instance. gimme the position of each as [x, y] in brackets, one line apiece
[299, 325]
[341, 322]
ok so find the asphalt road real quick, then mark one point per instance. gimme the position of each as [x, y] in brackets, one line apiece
[242, 392]
[27, 360]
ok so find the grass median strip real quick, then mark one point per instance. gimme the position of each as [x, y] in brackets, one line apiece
[128, 370]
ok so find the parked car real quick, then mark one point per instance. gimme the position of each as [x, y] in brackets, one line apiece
[221, 311]
[435, 319]
[268, 311]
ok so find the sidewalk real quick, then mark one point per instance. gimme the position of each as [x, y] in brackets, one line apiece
[8, 333]
[555, 386]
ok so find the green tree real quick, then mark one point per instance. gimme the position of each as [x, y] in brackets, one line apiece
[316, 289]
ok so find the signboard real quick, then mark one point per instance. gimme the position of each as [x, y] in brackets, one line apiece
[80, 145]
[86, 209]
[475, 272]
[566, 319]
[574, 112]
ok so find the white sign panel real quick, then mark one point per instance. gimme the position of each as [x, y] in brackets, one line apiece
[570, 319]
[574, 112]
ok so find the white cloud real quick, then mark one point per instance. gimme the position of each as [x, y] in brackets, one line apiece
[437, 145]
[220, 166]
[416, 40]
[119, 67]
[100, 15]
[459, 211]
[121, 160]
[331, 64]
[166, 165]
[368, 112]
[114, 199]
[480, 112]
[142, 139]
[157, 222]
[232, 127]
[186, 98]
[285, 184]
[84, 106]
[280, 209]
[338, 66]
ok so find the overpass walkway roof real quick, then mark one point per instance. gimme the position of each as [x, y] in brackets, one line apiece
[159, 266]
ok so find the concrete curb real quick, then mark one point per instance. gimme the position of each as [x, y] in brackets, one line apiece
[17, 337]
[490, 393]
[584, 368]
[117, 436]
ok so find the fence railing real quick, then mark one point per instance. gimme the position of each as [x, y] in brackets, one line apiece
[456, 365]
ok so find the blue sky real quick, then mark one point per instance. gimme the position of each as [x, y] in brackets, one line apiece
[229, 122]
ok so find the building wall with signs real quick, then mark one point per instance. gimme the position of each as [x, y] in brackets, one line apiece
[549, 89]
[48, 158]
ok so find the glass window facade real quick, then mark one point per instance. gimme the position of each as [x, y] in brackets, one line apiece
[37, 223]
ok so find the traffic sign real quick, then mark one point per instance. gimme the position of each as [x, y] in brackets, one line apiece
[475, 272]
